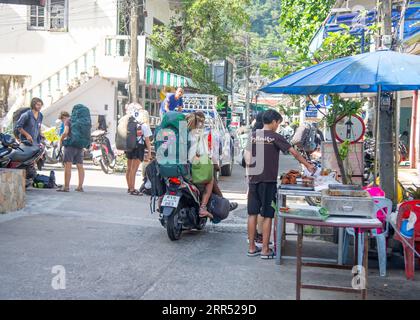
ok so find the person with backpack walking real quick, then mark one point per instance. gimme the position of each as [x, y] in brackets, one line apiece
[264, 150]
[75, 139]
[28, 126]
[64, 116]
[137, 155]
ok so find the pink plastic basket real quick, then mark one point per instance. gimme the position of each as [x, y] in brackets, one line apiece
[375, 191]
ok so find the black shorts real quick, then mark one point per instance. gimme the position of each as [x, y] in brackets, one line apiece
[260, 198]
[73, 155]
[136, 154]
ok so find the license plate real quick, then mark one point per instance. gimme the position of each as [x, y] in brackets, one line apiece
[170, 201]
[96, 153]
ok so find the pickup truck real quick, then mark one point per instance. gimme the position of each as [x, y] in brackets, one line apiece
[219, 138]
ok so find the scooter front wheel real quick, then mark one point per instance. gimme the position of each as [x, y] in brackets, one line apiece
[105, 168]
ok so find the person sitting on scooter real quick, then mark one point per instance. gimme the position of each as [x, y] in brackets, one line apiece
[195, 123]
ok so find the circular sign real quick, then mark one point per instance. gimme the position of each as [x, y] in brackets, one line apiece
[350, 128]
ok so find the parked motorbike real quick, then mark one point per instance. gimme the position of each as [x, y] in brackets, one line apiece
[23, 156]
[369, 155]
[53, 154]
[180, 208]
[101, 151]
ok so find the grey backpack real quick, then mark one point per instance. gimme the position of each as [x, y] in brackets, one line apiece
[219, 207]
[304, 137]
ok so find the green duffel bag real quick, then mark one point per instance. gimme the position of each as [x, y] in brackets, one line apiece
[202, 170]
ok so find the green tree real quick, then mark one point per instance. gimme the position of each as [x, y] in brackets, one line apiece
[202, 31]
[6, 83]
[299, 21]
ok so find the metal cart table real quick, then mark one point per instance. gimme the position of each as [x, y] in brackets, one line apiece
[364, 224]
[280, 225]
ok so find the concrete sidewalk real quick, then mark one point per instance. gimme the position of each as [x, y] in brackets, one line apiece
[408, 177]
[112, 248]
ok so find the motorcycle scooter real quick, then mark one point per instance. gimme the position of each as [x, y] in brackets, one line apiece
[180, 207]
[20, 156]
[102, 153]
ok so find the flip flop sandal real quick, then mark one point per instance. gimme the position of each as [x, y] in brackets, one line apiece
[79, 190]
[269, 256]
[63, 190]
[256, 253]
[135, 193]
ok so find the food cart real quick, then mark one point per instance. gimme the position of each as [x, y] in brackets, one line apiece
[342, 207]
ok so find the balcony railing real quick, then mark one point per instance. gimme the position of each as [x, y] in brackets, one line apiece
[66, 79]
[119, 46]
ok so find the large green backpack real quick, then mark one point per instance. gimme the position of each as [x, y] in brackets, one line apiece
[81, 125]
[171, 145]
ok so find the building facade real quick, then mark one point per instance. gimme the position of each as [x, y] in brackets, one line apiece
[74, 51]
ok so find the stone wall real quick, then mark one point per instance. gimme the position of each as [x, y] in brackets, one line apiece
[12, 190]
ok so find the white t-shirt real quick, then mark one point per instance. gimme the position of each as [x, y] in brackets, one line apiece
[147, 133]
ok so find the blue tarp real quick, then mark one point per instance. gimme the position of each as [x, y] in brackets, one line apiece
[358, 23]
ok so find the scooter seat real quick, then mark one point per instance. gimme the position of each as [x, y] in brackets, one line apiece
[27, 153]
[98, 133]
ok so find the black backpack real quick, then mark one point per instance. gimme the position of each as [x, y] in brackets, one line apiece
[45, 182]
[158, 186]
[16, 116]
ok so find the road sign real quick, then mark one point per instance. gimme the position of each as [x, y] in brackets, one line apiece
[350, 128]
[311, 111]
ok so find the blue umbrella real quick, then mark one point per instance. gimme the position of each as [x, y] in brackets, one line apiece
[368, 72]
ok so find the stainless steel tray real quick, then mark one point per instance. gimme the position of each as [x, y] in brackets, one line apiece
[348, 206]
[303, 214]
[345, 187]
[296, 187]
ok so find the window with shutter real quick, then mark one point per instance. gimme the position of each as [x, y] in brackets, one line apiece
[52, 17]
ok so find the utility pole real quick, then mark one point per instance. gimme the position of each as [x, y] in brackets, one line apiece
[387, 170]
[248, 70]
[134, 48]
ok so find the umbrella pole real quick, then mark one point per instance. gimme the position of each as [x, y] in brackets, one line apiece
[397, 142]
[378, 107]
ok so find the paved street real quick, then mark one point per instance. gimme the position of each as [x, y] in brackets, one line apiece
[112, 248]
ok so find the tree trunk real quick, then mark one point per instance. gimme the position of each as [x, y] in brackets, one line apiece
[337, 156]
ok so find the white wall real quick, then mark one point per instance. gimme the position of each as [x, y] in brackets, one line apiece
[158, 9]
[95, 94]
[41, 53]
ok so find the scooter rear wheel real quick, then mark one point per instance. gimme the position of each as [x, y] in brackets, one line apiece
[173, 227]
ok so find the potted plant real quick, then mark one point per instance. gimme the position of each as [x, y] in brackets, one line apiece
[414, 193]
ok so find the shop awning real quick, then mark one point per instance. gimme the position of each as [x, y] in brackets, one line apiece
[163, 78]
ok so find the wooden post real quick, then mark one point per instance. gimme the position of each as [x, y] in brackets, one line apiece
[414, 136]
[386, 123]
[134, 69]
